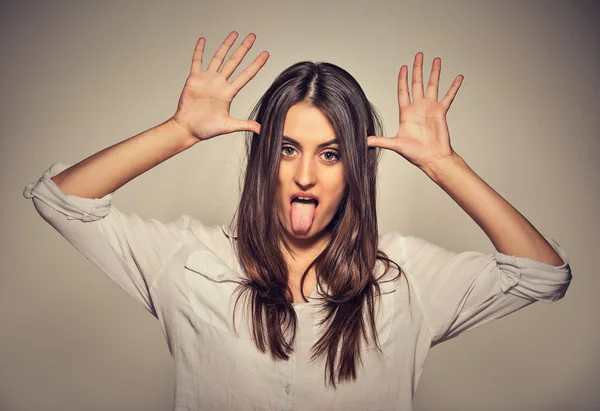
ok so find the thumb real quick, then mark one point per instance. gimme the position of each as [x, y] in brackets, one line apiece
[246, 125]
[383, 142]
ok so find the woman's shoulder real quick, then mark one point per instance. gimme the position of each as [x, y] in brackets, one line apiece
[400, 246]
[213, 236]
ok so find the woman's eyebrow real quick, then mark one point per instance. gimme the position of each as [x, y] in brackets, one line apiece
[327, 143]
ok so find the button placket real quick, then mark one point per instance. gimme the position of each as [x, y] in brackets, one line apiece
[287, 374]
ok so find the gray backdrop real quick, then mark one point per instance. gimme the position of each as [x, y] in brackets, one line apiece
[77, 77]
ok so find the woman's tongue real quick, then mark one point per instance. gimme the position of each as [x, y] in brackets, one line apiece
[302, 215]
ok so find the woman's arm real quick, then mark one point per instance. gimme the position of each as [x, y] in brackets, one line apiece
[76, 200]
[111, 168]
[509, 231]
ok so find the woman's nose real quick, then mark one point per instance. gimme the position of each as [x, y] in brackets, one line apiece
[305, 173]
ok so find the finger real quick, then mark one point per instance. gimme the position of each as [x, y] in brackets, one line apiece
[221, 52]
[417, 77]
[383, 142]
[403, 96]
[197, 57]
[236, 58]
[434, 79]
[449, 97]
[249, 72]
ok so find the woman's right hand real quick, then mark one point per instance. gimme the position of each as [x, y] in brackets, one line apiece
[203, 108]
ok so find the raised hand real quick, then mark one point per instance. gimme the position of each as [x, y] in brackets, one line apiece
[203, 108]
[423, 137]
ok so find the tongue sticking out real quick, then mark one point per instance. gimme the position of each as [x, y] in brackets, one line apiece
[302, 215]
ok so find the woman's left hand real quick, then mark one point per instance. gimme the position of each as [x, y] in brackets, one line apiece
[423, 137]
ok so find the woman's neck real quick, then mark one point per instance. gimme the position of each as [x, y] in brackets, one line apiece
[304, 250]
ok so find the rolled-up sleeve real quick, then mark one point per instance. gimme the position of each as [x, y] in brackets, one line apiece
[461, 291]
[129, 249]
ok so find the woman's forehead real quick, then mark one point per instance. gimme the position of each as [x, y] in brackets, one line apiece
[307, 125]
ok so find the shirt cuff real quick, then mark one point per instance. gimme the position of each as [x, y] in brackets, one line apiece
[533, 279]
[74, 207]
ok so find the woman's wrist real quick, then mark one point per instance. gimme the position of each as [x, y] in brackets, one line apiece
[178, 132]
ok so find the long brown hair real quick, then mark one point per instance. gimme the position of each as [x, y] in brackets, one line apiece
[347, 264]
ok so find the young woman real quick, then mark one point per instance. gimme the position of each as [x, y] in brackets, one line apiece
[302, 305]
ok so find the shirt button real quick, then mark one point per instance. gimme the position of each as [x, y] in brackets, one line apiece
[288, 389]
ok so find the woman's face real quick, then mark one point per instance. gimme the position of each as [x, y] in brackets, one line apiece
[310, 167]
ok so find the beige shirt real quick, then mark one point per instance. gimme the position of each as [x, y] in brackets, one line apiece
[184, 273]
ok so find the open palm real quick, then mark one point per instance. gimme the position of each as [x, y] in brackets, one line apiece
[423, 136]
[203, 108]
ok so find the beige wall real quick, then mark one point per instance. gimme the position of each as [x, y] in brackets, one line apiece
[76, 78]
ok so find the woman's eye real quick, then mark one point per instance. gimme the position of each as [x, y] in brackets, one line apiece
[287, 150]
[331, 156]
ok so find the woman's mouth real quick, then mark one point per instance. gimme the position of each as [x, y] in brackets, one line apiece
[302, 213]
